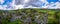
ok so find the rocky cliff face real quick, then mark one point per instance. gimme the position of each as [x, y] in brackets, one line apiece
[26, 15]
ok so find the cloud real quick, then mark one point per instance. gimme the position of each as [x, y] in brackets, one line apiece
[29, 4]
[53, 5]
[1, 1]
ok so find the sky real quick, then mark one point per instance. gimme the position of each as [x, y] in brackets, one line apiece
[10, 4]
[54, 1]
